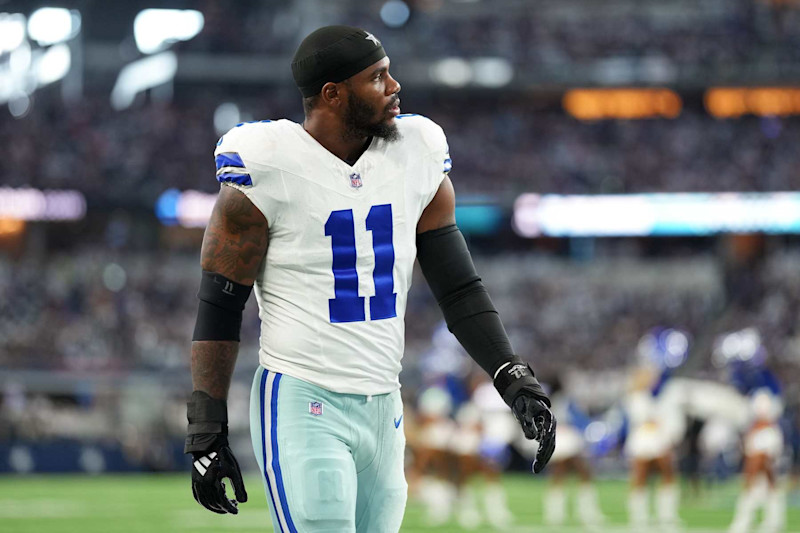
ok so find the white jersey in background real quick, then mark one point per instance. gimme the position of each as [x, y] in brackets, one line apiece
[342, 244]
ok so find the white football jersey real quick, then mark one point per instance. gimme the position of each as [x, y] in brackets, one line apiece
[342, 244]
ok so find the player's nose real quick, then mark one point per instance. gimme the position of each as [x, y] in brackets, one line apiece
[393, 87]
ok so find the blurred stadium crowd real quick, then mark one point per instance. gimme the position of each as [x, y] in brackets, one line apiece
[502, 148]
[715, 33]
[96, 311]
[126, 310]
[507, 138]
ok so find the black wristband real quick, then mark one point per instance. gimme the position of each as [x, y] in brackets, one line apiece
[208, 422]
[514, 377]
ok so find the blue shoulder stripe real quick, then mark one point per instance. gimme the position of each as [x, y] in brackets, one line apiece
[229, 159]
[241, 179]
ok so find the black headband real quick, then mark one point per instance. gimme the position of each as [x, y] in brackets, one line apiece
[333, 54]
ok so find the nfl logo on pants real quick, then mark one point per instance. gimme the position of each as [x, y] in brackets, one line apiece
[315, 408]
[355, 180]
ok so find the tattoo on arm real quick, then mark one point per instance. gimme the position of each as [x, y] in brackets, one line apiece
[234, 245]
[236, 238]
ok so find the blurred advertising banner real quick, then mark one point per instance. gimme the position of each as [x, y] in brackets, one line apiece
[664, 214]
[41, 205]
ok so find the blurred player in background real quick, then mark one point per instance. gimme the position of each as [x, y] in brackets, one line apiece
[481, 447]
[568, 458]
[432, 470]
[451, 452]
[763, 441]
[656, 427]
[344, 202]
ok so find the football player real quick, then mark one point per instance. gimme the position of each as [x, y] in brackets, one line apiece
[326, 218]
[745, 357]
[656, 427]
[432, 467]
[569, 457]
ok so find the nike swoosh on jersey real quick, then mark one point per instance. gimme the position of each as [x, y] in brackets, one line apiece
[397, 422]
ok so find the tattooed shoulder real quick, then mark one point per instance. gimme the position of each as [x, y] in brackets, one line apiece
[236, 238]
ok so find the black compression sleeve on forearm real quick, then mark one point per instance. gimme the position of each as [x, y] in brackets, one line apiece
[219, 315]
[470, 315]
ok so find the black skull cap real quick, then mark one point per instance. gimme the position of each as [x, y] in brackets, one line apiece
[333, 54]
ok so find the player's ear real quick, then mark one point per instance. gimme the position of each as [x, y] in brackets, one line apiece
[332, 94]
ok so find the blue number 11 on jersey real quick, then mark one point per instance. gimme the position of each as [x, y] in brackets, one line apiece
[347, 305]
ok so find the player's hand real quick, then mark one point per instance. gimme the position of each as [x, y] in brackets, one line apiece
[537, 423]
[208, 489]
[207, 441]
[522, 392]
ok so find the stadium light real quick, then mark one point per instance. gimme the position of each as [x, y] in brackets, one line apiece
[14, 79]
[52, 25]
[19, 106]
[12, 31]
[226, 116]
[395, 13]
[142, 75]
[492, 72]
[54, 64]
[114, 277]
[453, 72]
[20, 59]
[155, 29]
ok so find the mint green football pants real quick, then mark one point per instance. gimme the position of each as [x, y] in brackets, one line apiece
[330, 462]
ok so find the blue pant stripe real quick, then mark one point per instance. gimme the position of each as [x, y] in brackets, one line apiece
[264, 446]
[276, 467]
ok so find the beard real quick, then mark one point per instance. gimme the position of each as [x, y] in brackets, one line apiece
[359, 121]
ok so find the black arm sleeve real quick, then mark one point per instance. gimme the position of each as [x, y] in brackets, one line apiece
[470, 315]
[219, 315]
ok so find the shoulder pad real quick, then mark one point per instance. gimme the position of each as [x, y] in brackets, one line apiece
[429, 134]
[429, 131]
[242, 143]
[241, 132]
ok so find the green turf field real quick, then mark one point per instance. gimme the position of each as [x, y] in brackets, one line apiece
[162, 503]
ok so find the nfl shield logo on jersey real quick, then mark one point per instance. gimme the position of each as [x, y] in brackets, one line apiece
[315, 408]
[355, 180]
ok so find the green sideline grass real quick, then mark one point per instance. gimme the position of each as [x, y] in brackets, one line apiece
[163, 503]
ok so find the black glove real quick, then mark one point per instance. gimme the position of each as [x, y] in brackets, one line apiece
[207, 441]
[522, 392]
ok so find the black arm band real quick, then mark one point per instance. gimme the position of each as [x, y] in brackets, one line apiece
[516, 376]
[470, 315]
[219, 315]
